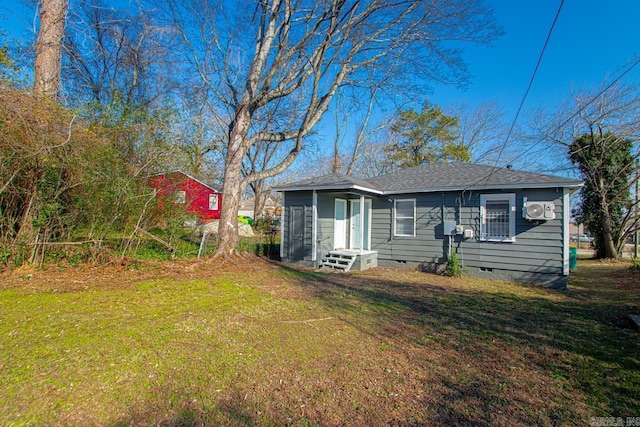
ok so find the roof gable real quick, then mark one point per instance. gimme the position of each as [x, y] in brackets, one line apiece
[187, 176]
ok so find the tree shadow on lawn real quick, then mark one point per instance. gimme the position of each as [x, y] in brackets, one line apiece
[172, 407]
[466, 355]
[579, 341]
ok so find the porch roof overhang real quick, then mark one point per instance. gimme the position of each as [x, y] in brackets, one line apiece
[352, 188]
[332, 182]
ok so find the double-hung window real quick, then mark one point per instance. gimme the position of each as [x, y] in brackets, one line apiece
[498, 217]
[405, 217]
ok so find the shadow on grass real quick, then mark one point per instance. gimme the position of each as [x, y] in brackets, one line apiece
[580, 340]
[192, 409]
[468, 352]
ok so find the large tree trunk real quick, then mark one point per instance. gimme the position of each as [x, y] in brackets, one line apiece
[259, 198]
[232, 186]
[49, 48]
[610, 250]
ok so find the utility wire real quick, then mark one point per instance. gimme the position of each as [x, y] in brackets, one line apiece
[526, 93]
[524, 97]
[581, 109]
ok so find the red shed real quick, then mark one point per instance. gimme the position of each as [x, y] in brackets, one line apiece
[200, 199]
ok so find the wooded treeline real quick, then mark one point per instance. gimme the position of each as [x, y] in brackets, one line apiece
[232, 93]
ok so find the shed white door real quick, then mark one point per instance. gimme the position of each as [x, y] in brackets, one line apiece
[340, 225]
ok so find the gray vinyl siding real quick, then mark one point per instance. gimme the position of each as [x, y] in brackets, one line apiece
[536, 256]
[304, 199]
[326, 213]
[538, 247]
[537, 250]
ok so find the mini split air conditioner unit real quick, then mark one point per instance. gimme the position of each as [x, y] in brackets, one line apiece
[538, 211]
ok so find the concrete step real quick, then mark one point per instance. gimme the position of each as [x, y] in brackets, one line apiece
[339, 260]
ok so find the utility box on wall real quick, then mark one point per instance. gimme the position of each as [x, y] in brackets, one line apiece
[449, 228]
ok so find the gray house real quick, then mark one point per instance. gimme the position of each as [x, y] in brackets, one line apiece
[501, 223]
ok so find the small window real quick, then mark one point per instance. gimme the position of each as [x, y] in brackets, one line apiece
[180, 197]
[405, 217]
[498, 217]
[213, 202]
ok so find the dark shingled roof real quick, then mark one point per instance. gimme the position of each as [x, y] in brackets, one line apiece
[455, 176]
[436, 177]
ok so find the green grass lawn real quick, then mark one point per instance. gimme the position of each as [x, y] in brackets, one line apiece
[261, 343]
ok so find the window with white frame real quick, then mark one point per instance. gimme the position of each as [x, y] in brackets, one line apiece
[213, 202]
[404, 217]
[498, 217]
[180, 197]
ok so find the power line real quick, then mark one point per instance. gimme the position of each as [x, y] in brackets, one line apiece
[526, 93]
[581, 109]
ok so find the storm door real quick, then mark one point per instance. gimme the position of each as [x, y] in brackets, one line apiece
[340, 225]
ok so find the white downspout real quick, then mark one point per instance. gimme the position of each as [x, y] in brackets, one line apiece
[314, 227]
[565, 231]
[361, 223]
[282, 221]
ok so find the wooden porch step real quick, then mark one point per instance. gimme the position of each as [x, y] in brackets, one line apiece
[340, 260]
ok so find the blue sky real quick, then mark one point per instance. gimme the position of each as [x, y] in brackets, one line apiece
[591, 41]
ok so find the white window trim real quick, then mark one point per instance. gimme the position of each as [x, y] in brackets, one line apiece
[217, 202]
[511, 198]
[396, 217]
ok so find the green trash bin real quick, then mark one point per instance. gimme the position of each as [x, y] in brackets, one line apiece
[573, 258]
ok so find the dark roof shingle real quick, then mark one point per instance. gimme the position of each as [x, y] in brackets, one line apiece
[435, 177]
[455, 176]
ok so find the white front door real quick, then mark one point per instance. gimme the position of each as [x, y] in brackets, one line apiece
[340, 225]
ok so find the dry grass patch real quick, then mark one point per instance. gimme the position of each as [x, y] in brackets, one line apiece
[193, 343]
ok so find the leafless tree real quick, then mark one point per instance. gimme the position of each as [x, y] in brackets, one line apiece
[614, 108]
[198, 136]
[258, 158]
[609, 117]
[115, 69]
[483, 129]
[357, 124]
[116, 56]
[252, 55]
